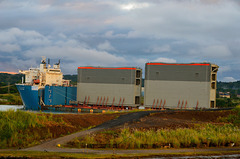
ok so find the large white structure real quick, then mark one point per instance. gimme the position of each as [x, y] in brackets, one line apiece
[180, 85]
[109, 86]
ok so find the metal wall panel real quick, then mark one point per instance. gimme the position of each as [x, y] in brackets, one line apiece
[55, 95]
[110, 76]
[71, 94]
[96, 91]
[112, 83]
[175, 91]
[181, 72]
[178, 85]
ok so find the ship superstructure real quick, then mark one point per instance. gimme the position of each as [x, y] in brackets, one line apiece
[45, 75]
[45, 86]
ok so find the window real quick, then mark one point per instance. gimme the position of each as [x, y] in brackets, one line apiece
[214, 77]
[137, 100]
[196, 75]
[212, 104]
[214, 69]
[137, 81]
[138, 74]
[213, 85]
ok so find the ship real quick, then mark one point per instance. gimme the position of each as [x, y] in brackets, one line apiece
[44, 86]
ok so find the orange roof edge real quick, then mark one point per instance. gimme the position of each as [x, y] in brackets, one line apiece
[117, 68]
[182, 64]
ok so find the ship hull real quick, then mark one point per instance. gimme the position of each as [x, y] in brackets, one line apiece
[29, 95]
[34, 98]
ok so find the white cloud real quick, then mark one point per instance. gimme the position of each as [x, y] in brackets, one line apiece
[106, 46]
[223, 69]
[229, 79]
[9, 48]
[68, 50]
[166, 60]
[193, 21]
[135, 5]
[27, 38]
[212, 51]
[77, 54]
[217, 51]
[159, 49]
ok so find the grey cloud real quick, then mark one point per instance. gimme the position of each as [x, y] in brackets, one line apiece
[229, 79]
[9, 48]
[106, 46]
[159, 49]
[165, 60]
[120, 32]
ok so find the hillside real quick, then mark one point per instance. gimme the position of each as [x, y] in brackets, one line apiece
[9, 79]
[233, 87]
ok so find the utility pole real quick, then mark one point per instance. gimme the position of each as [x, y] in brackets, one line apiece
[8, 88]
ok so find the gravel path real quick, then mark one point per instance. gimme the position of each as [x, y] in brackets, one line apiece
[52, 144]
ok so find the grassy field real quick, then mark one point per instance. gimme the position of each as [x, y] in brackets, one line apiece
[200, 136]
[10, 99]
[226, 133]
[21, 129]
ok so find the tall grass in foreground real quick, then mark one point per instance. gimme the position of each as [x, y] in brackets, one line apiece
[200, 136]
[20, 129]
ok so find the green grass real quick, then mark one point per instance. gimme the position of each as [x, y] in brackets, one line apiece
[21, 129]
[207, 135]
[12, 99]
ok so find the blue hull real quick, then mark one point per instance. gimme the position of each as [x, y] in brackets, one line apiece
[32, 97]
[29, 95]
[57, 95]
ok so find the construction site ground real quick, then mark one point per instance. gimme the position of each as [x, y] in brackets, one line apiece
[178, 119]
[170, 119]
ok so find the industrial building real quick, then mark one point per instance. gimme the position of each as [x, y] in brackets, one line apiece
[179, 85]
[105, 86]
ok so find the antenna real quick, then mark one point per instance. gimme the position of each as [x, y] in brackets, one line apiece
[48, 61]
[59, 61]
[43, 60]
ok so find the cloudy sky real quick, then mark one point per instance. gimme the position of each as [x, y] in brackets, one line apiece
[120, 33]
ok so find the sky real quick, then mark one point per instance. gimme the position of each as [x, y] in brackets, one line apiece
[122, 33]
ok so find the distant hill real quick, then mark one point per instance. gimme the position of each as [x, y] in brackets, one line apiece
[228, 85]
[233, 87]
[73, 78]
[10, 79]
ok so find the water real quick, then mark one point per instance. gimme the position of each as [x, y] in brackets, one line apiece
[235, 156]
[15, 107]
[7, 107]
